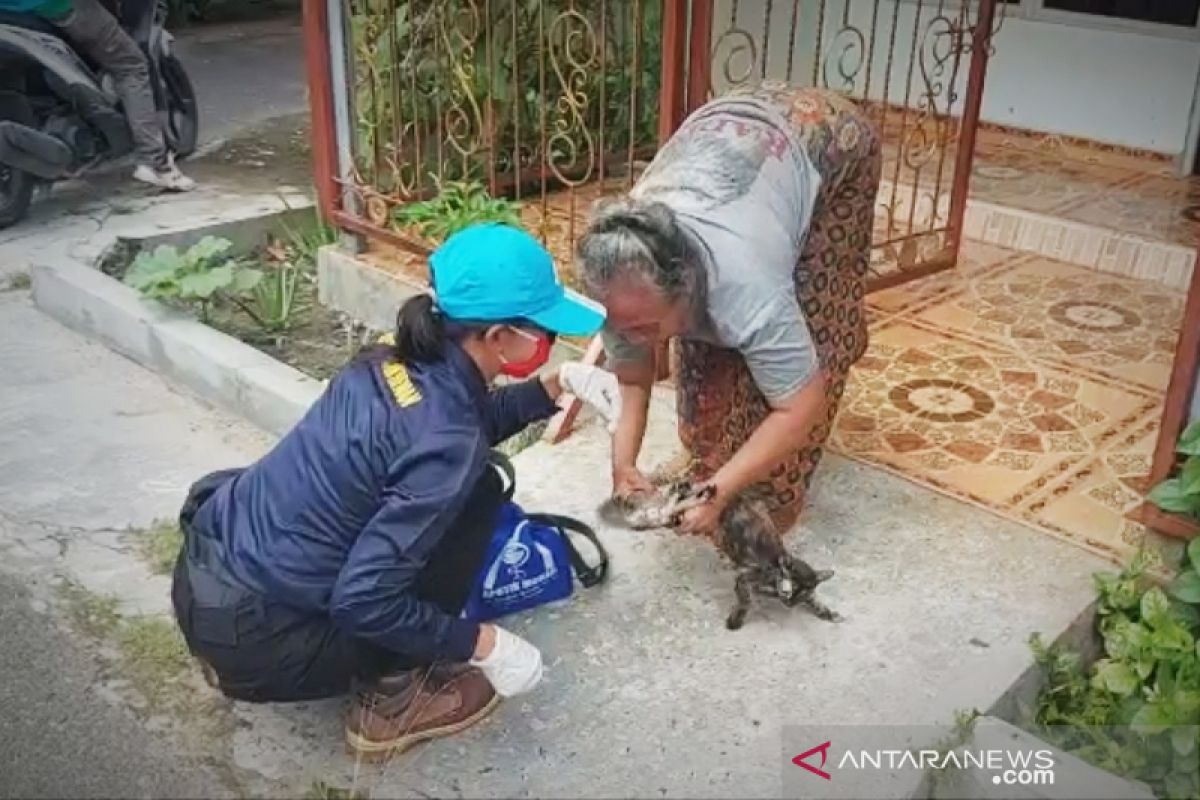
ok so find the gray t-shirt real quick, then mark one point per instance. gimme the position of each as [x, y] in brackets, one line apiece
[741, 183]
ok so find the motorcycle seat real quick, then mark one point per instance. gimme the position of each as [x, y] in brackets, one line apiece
[29, 21]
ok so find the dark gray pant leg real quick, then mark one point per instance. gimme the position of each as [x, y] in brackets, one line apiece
[90, 27]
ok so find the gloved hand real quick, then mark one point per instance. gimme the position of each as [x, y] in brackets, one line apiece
[595, 386]
[513, 667]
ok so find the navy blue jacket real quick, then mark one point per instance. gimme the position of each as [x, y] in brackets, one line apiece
[341, 516]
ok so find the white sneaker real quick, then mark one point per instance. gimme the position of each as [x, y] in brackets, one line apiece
[168, 177]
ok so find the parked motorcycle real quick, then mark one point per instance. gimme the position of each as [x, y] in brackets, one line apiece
[59, 117]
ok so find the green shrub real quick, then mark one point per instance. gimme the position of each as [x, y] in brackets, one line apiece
[1181, 494]
[1136, 710]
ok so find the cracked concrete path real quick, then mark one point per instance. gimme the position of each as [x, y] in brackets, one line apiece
[642, 678]
[90, 445]
[52, 714]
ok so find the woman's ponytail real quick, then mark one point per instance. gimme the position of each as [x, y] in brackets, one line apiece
[420, 331]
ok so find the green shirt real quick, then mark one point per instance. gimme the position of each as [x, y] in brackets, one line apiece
[53, 9]
[50, 9]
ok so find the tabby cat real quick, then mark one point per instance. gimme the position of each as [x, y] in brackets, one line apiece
[745, 536]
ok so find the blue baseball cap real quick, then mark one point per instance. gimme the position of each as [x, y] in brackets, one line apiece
[492, 272]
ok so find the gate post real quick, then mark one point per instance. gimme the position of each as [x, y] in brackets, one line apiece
[699, 53]
[317, 66]
[672, 106]
[981, 43]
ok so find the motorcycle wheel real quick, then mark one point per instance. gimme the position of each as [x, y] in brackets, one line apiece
[183, 114]
[16, 190]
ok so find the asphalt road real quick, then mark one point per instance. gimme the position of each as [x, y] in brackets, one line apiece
[244, 73]
[58, 737]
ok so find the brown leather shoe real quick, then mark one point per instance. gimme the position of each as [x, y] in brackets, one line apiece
[413, 707]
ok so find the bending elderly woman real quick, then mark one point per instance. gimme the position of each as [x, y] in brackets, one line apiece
[748, 240]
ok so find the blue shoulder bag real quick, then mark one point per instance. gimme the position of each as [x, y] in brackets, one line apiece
[531, 559]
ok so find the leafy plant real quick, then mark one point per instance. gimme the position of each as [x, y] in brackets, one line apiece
[1136, 710]
[197, 276]
[1181, 494]
[457, 205]
[276, 298]
[451, 86]
[302, 243]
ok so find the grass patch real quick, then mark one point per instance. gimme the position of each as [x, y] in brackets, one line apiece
[154, 655]
[320, 790]
[93, 614]
[160, 546]
[18, 282]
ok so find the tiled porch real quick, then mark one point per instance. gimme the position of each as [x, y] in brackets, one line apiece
[1026, 384]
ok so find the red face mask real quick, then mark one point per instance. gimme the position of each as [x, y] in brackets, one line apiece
[541, 354]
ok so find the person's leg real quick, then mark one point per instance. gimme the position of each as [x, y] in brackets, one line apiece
[417, 701]
[90, 27]
[261, 651]
[717, 403]
[831, 274]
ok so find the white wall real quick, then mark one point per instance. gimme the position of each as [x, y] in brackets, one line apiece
[1119, 87]
[1113, 86]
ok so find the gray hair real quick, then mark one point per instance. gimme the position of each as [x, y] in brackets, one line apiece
[627, 236]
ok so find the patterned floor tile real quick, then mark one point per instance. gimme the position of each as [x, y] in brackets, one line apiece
[985, 423]
[1071, 318]
[995, 426]
[975, 259]
[1153, 207]
[1021, 180]
[1091, 503]
[1047, 174]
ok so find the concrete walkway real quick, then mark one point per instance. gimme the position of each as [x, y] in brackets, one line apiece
[646, 693]
[61, 737]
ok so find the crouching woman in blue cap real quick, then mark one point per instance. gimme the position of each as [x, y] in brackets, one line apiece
[343, 558]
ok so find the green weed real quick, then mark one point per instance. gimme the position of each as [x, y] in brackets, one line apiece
[302, 243]
[153, 655]
[93, 614]
[458, 204]
[19, 282]
[324, 791]
[160, 546]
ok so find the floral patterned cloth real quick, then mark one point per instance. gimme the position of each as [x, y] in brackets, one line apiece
[719, 404]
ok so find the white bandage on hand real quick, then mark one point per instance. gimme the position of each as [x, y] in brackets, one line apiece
[594, 386]
[513, 667]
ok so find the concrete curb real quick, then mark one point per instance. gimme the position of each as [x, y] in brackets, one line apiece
[217, 367]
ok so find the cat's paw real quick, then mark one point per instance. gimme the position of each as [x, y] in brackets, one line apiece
[825, 613]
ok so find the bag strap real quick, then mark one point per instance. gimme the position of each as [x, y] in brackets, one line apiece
[588, 575]
[506, 469]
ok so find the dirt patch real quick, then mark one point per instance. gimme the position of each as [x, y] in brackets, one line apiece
[319, 342]
[264, 158]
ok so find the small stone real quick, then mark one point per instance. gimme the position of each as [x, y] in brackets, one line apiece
[979, 642]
